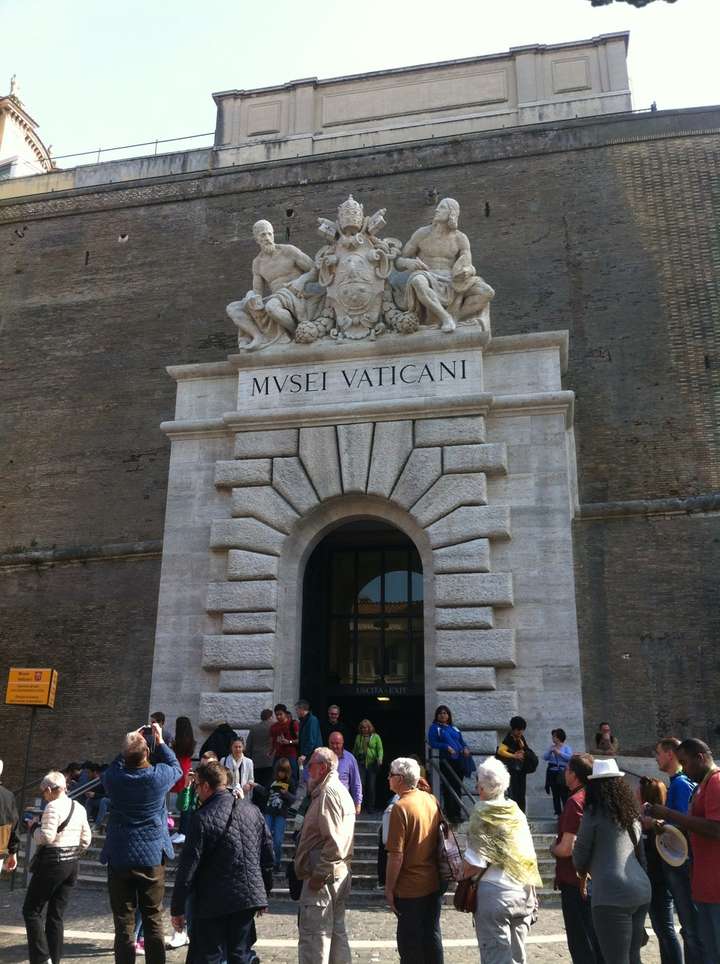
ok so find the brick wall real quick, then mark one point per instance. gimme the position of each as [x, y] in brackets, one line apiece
[608, 228]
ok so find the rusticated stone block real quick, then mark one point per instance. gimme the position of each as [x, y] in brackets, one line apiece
[462, 430]
[291, 481]
[266, 505]
[480, 711]
[246, 534]
[319, 453]
[251, 565]
[482, 742]
[470, 522]
[249, 622]
[354, 444]
[473, 556]
[421, 470]
[253, 651]
[475, 647]
[254, 596]
[247, 681]
[392, 445]
[448, 493]
[243, 472]
[472, 617]
[474, 589]
[490, 458]
[465, 678]
[256, 445]
[240, 710]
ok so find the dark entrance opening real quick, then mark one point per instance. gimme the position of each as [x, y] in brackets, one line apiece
[362, 635]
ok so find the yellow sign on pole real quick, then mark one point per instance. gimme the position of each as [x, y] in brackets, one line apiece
[32, 687]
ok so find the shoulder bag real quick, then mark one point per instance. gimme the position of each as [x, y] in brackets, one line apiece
[45, 852]
[465, 896]
[449, 857]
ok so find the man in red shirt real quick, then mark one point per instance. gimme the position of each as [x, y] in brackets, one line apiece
[284, 736]
[702, 823]
[582, 943]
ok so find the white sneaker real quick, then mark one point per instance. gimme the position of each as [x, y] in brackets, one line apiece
[177, 838]
[179, 939]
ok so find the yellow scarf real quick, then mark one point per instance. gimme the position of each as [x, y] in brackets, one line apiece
[499, 833]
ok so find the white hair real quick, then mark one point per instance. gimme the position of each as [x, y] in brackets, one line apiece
[493, 778]
[323, 754]
[407, 769]
[54, 780]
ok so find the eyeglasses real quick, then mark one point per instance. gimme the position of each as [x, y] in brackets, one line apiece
[391, 774]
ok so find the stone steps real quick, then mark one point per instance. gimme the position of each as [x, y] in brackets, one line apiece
[93, 875]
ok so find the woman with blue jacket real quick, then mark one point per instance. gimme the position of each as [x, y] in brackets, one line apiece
[455, 759]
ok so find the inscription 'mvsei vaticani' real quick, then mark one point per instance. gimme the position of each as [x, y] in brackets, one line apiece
[351, 379]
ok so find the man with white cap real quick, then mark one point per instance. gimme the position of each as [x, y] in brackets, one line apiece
[9, 841]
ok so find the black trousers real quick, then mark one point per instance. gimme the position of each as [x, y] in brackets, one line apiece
[229, 938]
[516, 790]
[419, 940]
[559, 790]
[453, 770]
[579, 929]
[620, 932]
[52, 884]
[131, 888]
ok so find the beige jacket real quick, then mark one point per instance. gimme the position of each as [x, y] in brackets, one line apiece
[326, 841]
[76, 834]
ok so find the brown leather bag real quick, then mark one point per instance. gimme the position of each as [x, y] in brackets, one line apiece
[465, 896]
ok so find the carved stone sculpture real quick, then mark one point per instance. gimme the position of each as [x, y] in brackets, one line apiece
[275, 306]
[443, 287]
[353, 268]
[359, 284]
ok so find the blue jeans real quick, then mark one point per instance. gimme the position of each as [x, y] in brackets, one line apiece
[678, 882]
[276, 826]
[709, 921]
[663, 923]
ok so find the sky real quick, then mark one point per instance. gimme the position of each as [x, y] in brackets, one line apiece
[104, 73]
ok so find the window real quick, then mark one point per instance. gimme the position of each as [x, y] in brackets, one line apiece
[376, 616]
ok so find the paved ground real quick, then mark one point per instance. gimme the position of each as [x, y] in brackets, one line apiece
[89, 934]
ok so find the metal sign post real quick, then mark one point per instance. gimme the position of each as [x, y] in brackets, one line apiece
[30, 687]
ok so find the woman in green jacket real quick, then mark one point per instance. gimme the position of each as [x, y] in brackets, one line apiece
[368, 751]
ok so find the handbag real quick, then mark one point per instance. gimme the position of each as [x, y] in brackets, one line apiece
[465, 896]
[44, 851]
[530, 761]
[449, 857]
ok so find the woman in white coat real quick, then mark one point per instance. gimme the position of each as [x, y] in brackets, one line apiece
[61, 836]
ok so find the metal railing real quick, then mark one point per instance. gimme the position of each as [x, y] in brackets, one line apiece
[441, 784]
[128, 147]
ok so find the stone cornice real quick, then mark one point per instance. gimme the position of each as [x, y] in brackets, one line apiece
[346, 167]
[532, 341]
[540, 403]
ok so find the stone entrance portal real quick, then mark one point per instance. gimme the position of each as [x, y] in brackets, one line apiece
[469, 455]
[363, 629]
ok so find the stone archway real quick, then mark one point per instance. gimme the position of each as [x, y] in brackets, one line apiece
[290, 486]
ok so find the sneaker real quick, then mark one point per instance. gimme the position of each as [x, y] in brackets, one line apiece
[179, 939]
[140, 946]
[178, 838]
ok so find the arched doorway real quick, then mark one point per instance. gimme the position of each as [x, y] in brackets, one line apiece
[362, 632]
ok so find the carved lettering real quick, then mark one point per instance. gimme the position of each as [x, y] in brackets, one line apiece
[381, 376]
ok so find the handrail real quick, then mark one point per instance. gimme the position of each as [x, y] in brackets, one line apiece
[439, 778]
[126, 147]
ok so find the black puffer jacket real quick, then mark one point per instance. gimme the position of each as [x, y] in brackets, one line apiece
[224, 869]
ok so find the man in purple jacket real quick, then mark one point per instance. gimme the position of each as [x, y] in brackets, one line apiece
[138, 842]
[348, 770]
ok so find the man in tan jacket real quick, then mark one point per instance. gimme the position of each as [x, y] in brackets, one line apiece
[322, 861]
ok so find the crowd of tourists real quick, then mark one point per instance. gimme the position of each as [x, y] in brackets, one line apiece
[622, 858]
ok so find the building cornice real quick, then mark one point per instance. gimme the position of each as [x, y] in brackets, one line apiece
[292, 174]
